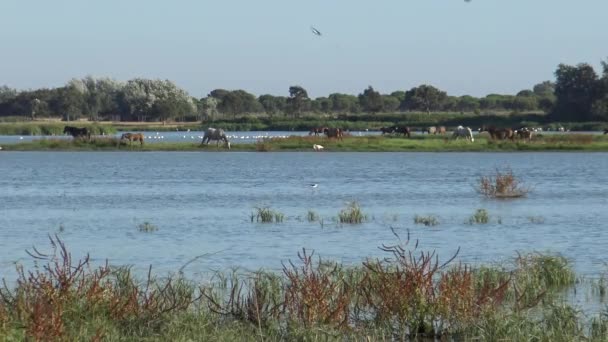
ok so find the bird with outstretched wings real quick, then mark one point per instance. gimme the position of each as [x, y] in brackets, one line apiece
[315, 31]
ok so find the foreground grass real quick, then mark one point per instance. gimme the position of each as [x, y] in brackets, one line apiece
[565, 142]
[410, 295]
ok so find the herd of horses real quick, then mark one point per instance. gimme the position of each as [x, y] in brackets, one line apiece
[219, 135]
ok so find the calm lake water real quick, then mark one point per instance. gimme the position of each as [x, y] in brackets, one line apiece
[201, 203]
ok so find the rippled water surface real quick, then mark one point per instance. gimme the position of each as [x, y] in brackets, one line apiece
[201, 203]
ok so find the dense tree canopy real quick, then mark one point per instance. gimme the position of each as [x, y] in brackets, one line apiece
[578, 94]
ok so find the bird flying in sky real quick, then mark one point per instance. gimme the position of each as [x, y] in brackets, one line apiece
[315, 31]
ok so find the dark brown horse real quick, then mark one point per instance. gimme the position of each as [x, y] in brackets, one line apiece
[133, 137]
[606, 131]
[406, 131]
[498, 133]
[316, 130]
[333, 133]
[77, 132]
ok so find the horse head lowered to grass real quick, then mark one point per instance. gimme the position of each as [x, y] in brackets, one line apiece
[216, 134]
[133, 137]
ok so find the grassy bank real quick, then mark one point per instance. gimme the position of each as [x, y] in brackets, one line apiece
[353, 122]
[562, 142]
[410, 295]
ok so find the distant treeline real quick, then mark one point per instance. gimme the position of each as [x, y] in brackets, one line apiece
[578, 94]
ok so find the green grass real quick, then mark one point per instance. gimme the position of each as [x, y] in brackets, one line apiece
[404, 296]
[428, 221]
[266, 215]
[147, 227]
[586, 143]
[481, 216]
[352, 214]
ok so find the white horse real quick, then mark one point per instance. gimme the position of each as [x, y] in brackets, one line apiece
[464, 132]
[216, 134]
[317, 147]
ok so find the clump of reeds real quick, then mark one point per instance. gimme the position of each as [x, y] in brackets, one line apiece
[503, 184]
[481, 216]
[352, 214]
[428, 221]
[536, 219]
[147, 227]
[312, 216]
[266, 215]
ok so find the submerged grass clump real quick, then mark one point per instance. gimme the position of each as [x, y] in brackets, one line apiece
[481, 216]
[147, 227]
[428, 221]
[312, 216]
[267, 215]
[352, 214]
[503, 184]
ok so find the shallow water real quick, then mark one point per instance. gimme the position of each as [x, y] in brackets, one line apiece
[201, 203]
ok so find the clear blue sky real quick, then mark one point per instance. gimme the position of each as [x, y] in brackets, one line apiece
[476, 48]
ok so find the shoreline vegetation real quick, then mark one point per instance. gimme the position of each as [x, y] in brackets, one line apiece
[351, 122]
[411, 295]
[433, 143]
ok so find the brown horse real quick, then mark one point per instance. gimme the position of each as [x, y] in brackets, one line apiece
[524, 133]
[133, 137]
[316, 130]
[498, 133]
[606, 131]
[333, 133]
[441, 130]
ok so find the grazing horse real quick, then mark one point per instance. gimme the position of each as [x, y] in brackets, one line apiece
[317, 147]
[430, 130]
[606, 131]
[498, 133]
[316, 130]
[333, 133]
[388, 130]
[216, 134]
[77, 132]
[405, 131]
[441, 130]
[133, 137]
[524, 133]
[464, 132]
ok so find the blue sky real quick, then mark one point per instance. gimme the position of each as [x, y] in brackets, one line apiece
[476, 48]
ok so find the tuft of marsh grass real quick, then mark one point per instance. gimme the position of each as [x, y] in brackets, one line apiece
[428, 221]
[352, 214]
[536, 219]
[503, 184]
[481, 216]
[312, 216]
[147, 227]
[266, 215]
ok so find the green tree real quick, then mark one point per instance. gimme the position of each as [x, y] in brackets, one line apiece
[344, 103]
[576, 89]
[371, 101]
[273, 104]
[390, 103]
[424, 97]
[297, 101]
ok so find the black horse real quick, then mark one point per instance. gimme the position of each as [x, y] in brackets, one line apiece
[78, 132]
[606, 131]
[406, 131]
[388, 130]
